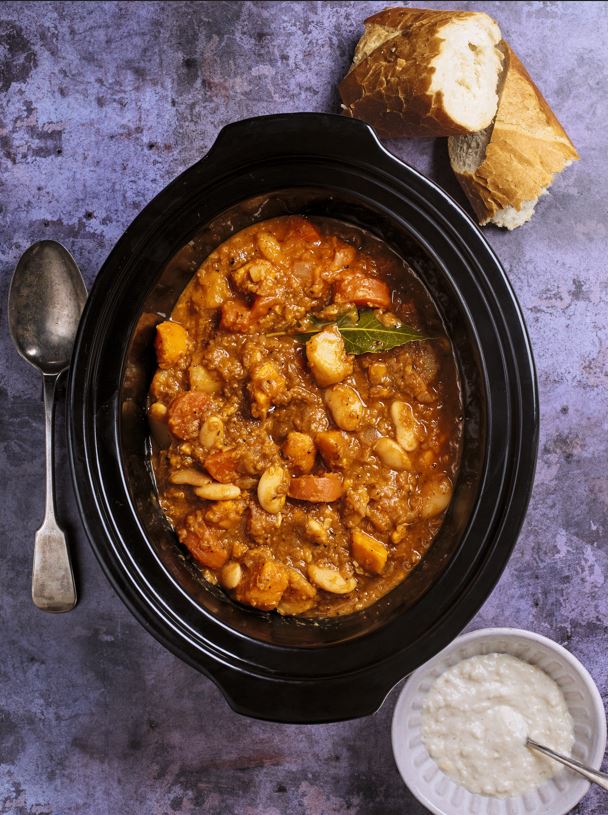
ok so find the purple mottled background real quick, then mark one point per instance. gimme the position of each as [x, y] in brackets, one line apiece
[101, 105]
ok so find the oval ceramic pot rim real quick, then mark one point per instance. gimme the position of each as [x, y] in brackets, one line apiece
[141, 598]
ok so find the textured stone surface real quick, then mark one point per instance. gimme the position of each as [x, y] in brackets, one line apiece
[103, 104]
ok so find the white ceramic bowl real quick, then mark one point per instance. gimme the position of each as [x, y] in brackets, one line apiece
[556, 796]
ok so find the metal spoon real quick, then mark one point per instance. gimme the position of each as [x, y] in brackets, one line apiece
[45, 301]
[597, 777]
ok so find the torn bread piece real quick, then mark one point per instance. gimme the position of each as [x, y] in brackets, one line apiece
[420, 73]
[504, 169]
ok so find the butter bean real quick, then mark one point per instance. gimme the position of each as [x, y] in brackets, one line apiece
[211, 434]
[345, 406]
[189, 476]
[218, 492]
[405, 425]
[272, 488]
[392, 454]
[330, 580]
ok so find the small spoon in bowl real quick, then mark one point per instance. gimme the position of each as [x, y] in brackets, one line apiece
[45, 301]
[595, 776]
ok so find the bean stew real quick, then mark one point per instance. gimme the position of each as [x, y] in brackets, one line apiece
[306, 418]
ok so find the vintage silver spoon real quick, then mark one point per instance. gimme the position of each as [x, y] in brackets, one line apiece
[45, 301]
[595, 776]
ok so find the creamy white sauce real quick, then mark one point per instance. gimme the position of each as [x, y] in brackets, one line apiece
[477, 715]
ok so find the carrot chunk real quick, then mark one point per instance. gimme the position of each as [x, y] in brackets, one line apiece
[369, 552]
[222, 466]
[236, 317]
[261, 306]
[362, 291]
[322, 488]
[204, 544]
[303, 228]
[186, 414]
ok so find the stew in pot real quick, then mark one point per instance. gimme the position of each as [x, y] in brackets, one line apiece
[306, 418]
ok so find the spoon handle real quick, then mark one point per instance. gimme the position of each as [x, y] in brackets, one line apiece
[595, 776]
[53, 587]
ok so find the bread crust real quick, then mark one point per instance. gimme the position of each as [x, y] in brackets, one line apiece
[527, 148]
[389, 85]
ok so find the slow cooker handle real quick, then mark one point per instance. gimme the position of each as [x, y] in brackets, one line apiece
[319, 134]
[312, 701]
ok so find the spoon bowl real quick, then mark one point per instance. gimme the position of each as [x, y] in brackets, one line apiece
[46, 299]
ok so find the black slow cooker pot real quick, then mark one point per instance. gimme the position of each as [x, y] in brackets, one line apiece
[271, 667]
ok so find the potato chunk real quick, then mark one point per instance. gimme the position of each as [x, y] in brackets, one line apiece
[263, 583]
[171, 344]
[202, 379]
[327, 357]
[300, 451]
[266, 384]
[334, 448]
[270, 247]
[225, 514]
[257, 276]
[214, 288]
[369, 553]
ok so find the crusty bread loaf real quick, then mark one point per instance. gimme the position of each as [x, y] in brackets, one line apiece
[418, 73]
[505, 168]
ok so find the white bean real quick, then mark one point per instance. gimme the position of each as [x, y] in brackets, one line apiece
[392, 454]
[345, 406]
[272, 488]
[330, 580]
[435, 496]
[218, 492]
[405, 425]
[211, 434]
[189, 476]
[231, 575]
[327, 357]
